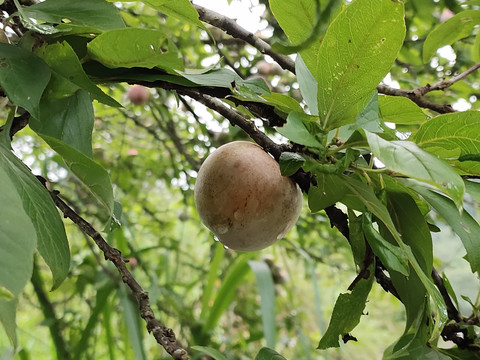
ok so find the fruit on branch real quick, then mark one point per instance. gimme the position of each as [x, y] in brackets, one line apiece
[138, 95]
[243, 199]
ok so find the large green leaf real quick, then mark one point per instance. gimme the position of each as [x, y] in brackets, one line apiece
[23, 77]
[415, 233]
[347, 312]
[296, 131]
[18, 239]
[297, 18]
[464, 225]
[290, 163]
[400, 110]
[328, 191]
[135, 47]
[94, 176]
[356, 53]
[455, 28]
[97, 14]
[51, 240]
[68, 119]
[181, 9]
[63, 61]
[266, 289]
[392, 257]
[451, 136]
[407, 158]
[308, 85]
[417, 349]
[361, 193]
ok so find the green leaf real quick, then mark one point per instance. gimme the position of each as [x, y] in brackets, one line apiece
[68, 119]
[356, 53]
[229, 79]
[400, 110]
[266, 289]
[268, 354]
[290, 163]
[391, 256]
[51, 240]
[135, 47]
[217, 355]
[63, 61]
[282, 102]
[360, 192]
[473, 188]
[97, 14]
[369, 118]
[90, 173]
[315, 32]
[213, 273]
[407, 158]
[8, 310]
[296, 131]
[411, 224]
[460, 354]
[455, 28]
[297, 18]
[357, 238]
[452, 136]
[226, 292]
[18, 238]
[180, 9]
[416, 349]
[132, 323]
[23, 77]
[347, 312]
[308, 85]
[328, 191]
[464, 225]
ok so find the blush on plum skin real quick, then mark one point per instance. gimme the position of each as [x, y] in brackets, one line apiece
[138, 95]
[243, 199]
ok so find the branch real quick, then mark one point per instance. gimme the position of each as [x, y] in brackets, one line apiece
[237, 119]
[443, 84]
[260, 110]
[232, 28]
[384, 281]
[164, 335]
[416, 96]
[452, 311]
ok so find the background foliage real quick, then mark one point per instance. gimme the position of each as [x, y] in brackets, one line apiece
[374, 113]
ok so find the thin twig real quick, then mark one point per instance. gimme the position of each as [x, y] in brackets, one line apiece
[416, 96]
[232, 28]
[445, 83]
[452, 311]
[164, 335]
